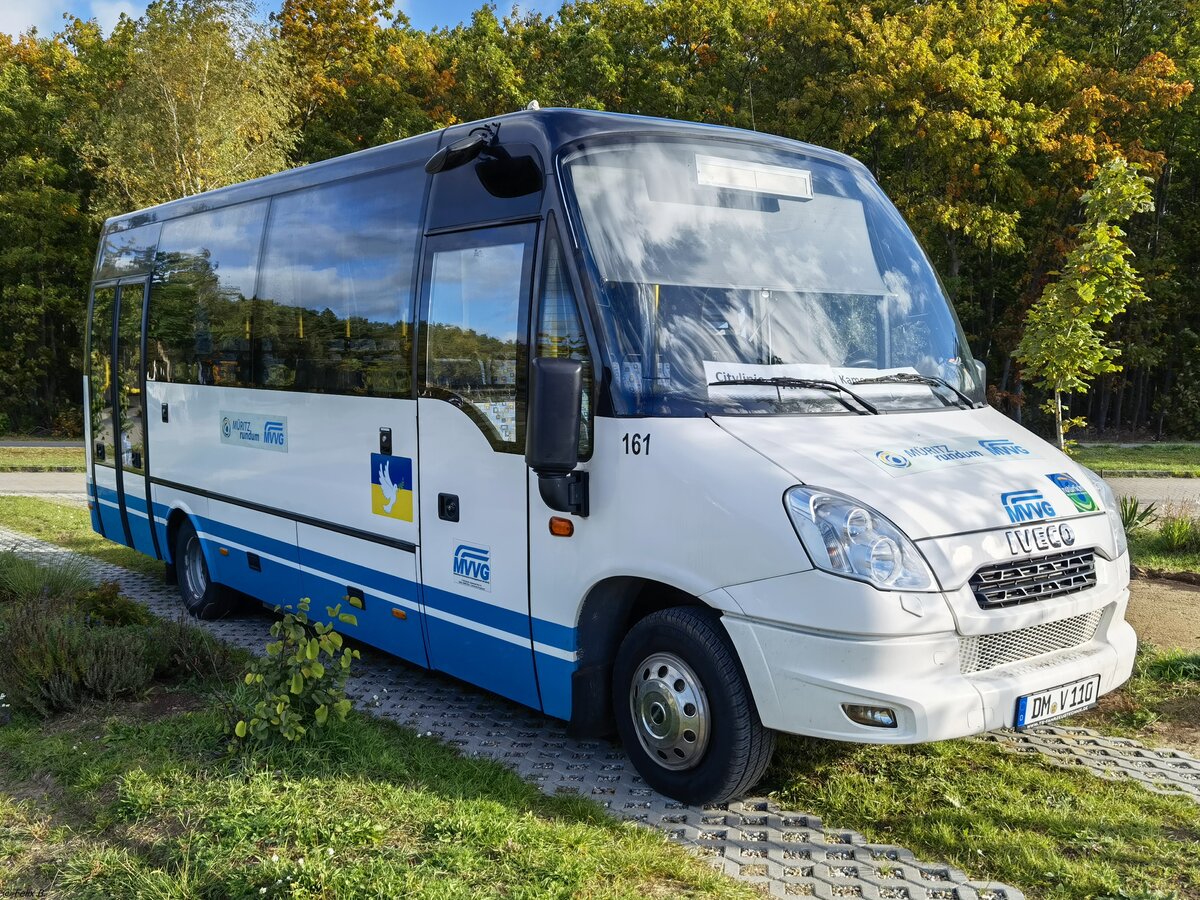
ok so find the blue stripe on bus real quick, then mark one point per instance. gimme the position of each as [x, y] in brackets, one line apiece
[502, 666]
[490, 662]
[554, 679]
[133, 501]
[516, 623]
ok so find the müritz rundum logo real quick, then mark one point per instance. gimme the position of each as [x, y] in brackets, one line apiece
[473, 565]
[895, 460]
[1027, 506]
[254, 430]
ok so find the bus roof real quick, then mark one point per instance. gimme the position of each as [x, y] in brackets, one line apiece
[549, 129]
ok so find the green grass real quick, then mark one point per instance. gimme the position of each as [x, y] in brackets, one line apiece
[41, 459]
[114, 804]
[1146, 550]
[1176, 459]
[1163, 690]
[70, 527]
[1054, 833]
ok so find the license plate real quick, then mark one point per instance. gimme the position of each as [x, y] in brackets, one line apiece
[1058, 701]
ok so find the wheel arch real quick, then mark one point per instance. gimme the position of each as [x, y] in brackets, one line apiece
[609, 610]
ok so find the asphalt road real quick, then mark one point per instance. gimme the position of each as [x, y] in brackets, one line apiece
[1184, 492]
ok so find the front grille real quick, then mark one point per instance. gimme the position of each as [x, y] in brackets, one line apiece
[1027, 580]
[980, 652]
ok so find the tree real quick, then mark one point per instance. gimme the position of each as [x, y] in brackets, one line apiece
[205, 102]
[46, 239]
[361, 74]
[1062, 345]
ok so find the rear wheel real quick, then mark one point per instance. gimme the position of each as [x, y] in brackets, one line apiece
[684, 710]
[204, 598]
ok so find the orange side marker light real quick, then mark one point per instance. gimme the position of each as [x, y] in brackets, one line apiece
[399, 614]
[560, 527]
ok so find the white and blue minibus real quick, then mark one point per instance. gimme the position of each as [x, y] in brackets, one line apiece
[644, 424]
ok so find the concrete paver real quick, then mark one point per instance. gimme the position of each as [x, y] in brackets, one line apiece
[786, 852]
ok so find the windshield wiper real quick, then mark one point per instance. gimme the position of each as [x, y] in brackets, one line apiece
[819, 384]
[915, 378]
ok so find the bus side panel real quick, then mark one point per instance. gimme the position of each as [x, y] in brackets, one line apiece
[388, 613]
[254, 552]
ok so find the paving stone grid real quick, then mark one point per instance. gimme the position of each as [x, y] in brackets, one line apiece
[1163, 771]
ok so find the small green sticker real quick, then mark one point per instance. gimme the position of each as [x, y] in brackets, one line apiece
[1084, 502]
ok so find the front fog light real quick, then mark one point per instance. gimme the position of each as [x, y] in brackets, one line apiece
[874, 716]
[848, 538]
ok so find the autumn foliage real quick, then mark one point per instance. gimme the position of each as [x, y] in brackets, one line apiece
[985, 121]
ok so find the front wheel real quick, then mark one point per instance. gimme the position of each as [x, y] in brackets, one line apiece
[203, 597]
[684, 710]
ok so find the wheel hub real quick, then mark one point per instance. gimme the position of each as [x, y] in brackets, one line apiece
[670, 711]
[193, 569]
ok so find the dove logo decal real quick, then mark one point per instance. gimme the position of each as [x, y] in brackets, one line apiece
[391, 486]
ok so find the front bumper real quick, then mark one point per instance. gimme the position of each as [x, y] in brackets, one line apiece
[800, 678]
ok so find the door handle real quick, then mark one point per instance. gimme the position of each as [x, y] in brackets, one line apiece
[448, 507]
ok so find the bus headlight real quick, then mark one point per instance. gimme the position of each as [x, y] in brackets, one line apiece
[849, 538]
[1112, 510]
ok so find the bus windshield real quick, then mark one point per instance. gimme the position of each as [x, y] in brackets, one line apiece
[734, 278]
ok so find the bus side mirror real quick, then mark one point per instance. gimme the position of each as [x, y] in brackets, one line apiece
[552, 434]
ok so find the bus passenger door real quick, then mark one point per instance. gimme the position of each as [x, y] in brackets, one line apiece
[130, 439]
[472, 358]
[105, 499]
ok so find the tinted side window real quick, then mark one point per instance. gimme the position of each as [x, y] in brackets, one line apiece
[100, 372]
[336, 291]
[200, 314]
[477, 287]
[560, 332]
[128, 252]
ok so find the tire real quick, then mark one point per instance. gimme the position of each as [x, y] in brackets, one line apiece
[684, 710]
[203, 597]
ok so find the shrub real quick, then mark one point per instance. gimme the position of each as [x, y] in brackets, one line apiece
[114, 663]
[55, 658]
[1179, 532]
[179, 651]
[23, 580]
[1134, 516]
[107, 605]
[300, 682]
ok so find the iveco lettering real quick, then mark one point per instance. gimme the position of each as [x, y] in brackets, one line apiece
[665, 430]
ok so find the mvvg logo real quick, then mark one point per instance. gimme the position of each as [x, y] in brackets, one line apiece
[273, 433]
[473, 565]
[1003, 447]
[1027, 506]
